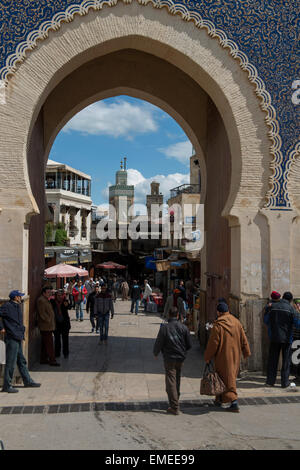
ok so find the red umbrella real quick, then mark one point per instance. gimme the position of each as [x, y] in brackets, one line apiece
[106, 266]
[118, 266]
[65, 270]
[110, 265]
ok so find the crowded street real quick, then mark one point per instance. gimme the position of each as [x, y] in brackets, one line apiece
[115, 392]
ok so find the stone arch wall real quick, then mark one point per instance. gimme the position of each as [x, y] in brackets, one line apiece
[200, 56]
[180, 44]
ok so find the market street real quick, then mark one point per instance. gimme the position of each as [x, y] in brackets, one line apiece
[118, 392]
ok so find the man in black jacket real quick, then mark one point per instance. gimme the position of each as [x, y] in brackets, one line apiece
[90, 307]
[11, 323]
[279, 316]
[135, 297]
[173, 340]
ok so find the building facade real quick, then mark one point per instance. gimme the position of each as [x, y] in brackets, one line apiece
[68, 193]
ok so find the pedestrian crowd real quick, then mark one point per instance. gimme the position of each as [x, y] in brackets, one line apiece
[282, 317]
[227, 342]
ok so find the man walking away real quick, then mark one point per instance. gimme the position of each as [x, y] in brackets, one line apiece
[103, 307]
[90, 307]
[46, 323]
[135, 297]
[279, 317]
[227, 342]
[173, 340]
[175, 300]
[89, 285]
[11, 323]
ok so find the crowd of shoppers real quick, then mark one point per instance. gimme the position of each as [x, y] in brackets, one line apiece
[227, 342]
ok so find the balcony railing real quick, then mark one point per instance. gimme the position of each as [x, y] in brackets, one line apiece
[185, 189]
[66, 187]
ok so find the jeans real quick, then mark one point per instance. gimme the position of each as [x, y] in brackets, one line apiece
[103, 325]
[274, 353]
[173, 375]
[92, 320]
[79, 310]
[14, 355]
[136, 304]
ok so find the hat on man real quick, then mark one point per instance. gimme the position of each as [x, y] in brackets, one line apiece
[222, 307]
[275, 295]
[15, 293]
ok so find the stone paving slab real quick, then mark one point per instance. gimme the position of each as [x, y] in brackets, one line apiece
[122, 371]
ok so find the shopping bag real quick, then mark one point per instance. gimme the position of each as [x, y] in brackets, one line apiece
[211, 383]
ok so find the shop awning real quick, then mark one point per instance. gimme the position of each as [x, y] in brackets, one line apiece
[49, 253]
[85, 255]
[67, 255]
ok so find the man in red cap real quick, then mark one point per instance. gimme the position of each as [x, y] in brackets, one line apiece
[279, 317]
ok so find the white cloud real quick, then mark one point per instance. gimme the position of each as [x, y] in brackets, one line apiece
[102, 208]
[117, 119]
[142, 184]
[181, 151]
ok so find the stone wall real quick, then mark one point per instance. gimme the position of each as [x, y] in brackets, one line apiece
[217, 230]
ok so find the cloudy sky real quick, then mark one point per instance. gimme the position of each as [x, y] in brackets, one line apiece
[96, 139]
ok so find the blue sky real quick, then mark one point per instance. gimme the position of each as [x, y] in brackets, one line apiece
[96, 139]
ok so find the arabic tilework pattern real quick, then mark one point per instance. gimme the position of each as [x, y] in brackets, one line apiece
[261, 34]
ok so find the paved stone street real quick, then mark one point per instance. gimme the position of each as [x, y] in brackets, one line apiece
[117, 391]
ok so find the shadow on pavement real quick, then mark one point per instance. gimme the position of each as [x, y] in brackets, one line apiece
[121, 355]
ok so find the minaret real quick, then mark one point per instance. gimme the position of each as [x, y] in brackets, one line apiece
[154, 198]
[121, 190]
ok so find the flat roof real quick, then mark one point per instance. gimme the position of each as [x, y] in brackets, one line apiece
[52, 165]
